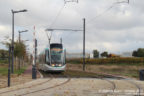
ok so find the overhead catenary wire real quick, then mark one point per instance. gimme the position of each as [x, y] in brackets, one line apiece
[67, 1]
[59, 13]
[108, 9]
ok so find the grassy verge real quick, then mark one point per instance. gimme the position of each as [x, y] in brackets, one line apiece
[75, 74]
[20, 71]
[4, 70]
[119, 70]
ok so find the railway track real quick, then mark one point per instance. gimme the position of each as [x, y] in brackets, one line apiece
[47, 87]
[68, 78]
[34, 85]
[113, 88]
[137, 86]
[37, 85]
[113, 85]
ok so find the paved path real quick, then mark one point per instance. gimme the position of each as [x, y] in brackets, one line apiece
[28, 71]
[76, 87]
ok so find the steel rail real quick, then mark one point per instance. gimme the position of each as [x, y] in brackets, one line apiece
[136, 85]
[113, 86]
[48, 87]
[25, 87]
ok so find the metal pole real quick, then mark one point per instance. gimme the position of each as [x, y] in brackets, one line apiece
[35, 51]
[61, 40]
[19, 57]
[34, 57]
[84, 44]
[19, 36]
[12, 43]
[9, 66]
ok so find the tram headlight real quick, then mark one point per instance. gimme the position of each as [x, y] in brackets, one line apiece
[53, 65]
[60, 65]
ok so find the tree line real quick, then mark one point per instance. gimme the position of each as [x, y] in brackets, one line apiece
[20, 51]
[136, 53]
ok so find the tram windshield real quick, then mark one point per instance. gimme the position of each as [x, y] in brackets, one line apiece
[56, 55]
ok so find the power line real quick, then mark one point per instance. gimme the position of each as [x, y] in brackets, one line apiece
[126, 1]
[108, 9]
[57, 16]
[49, 36]
[66, 1]
[60, 11]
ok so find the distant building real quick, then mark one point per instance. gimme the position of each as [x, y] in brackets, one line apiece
[77, 55]
[91, 56]
[126, 54]
[113, 55]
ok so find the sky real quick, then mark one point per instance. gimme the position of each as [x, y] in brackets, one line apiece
[110, 26]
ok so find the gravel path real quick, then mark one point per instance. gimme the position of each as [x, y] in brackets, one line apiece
[18, 79]
[75, 87]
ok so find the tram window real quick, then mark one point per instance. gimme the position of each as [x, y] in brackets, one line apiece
[46, 55]
[64, 56]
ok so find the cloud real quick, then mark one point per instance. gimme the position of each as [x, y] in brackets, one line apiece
[116, 30]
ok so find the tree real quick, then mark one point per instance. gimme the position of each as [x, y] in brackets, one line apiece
[104, 54]
[3, 54]
[95, 53]
[138, 53]
[134, 53]
[19, 49]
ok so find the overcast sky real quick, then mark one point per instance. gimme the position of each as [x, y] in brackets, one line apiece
[110, 26]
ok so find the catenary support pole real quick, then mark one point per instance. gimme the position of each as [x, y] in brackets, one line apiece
[9, 67]
[61, 40]
[35, 52]
[34, 57]
[84, 44]
[19, 57]
[12, 47]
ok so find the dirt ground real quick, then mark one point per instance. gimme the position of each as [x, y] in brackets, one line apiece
[15, 80]
[125, 71]
[112, 69]
[76, 87]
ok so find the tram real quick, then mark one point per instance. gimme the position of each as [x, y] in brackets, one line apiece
[53, 59]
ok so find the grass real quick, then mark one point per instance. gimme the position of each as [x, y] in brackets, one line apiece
[75, 74]
[20, 71]
[119, 70]
[110, 61]
[4, 70]
[5, 61]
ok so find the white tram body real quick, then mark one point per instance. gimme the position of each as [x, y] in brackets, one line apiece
[53, 59]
